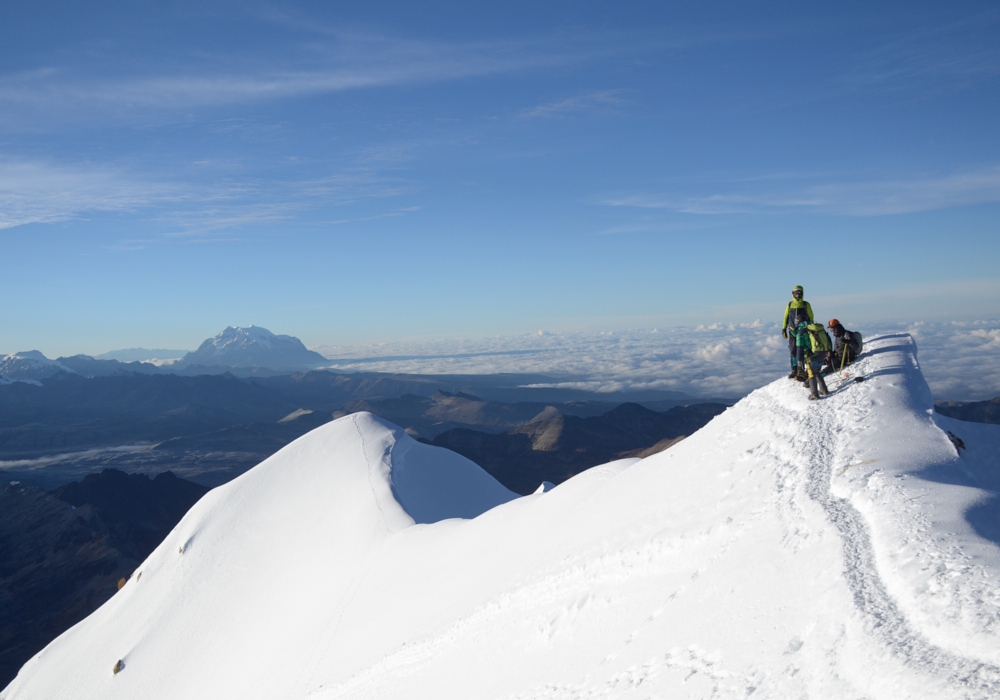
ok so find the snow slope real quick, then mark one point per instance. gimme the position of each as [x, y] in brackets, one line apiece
[788, 549]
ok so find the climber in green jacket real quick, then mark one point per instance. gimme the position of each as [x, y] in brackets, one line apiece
[788, 323]
[798, 338]
[817, 352]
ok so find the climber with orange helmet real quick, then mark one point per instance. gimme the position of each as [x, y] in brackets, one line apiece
[846, 345]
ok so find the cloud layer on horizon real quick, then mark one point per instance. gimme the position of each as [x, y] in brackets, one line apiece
[959, 360]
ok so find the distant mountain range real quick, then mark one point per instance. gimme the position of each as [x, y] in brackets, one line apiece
[975, 411]
[555, 446]
[211, 428]
[427, 417]
[141, 354]
[252, 351]
[223, 408]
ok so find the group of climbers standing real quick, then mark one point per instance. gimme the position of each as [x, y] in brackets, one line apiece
[812, 352]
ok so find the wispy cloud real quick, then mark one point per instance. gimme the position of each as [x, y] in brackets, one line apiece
[344, 62]
[351, 185]
[587, 102]
[859, 198]
[306, 56]
[388, 215]
[46, 192]
[956, 54]
[49, 192]
[649, 226]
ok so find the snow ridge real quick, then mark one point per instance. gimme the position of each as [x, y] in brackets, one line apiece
[790, 548]
[871, 597]
[830, 439]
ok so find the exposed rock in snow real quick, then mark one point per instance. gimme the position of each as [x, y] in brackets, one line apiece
[253, 347]
[789, 549]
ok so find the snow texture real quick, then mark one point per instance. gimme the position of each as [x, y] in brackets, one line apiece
[789, 549]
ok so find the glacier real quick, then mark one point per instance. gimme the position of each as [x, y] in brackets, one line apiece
[844, 548]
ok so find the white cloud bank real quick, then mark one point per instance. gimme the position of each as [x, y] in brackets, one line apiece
[961, 361]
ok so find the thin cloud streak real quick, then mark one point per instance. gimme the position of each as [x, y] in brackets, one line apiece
[350, 63]
[957, 54]
[40, 192]
[588, 102]
[868, 198]
[44, 192]
[339, 61]
[388, 215]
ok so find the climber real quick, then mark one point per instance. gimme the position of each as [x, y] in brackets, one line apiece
[847, 343]
[817, 353]
[798, 337]
[792, 309]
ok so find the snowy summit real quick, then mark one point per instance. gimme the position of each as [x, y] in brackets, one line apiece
[253, 347]
[831, 549]
[30, 366]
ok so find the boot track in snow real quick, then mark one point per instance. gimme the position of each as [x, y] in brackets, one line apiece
[884, 619]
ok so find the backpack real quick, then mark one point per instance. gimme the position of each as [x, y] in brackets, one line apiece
[819, 339]
[857, 337]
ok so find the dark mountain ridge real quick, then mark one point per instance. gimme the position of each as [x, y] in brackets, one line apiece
[211, 428]
[560, 446]
[70, 412]
[429, 416]
[976, 411]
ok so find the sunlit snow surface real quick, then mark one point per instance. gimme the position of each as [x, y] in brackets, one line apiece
[789, 549]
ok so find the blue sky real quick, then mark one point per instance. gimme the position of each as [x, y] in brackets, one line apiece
[379, 171]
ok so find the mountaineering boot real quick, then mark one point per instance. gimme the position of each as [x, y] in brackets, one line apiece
[822, 386]
[813, 394]
[801, 376]
[791, 375]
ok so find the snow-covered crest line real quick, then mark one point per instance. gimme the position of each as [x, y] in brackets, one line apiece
[744, 560]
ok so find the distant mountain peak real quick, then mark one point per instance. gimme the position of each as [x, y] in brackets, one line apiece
[241, 337]
[29, 365]
[31, 355]
[253, 346]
